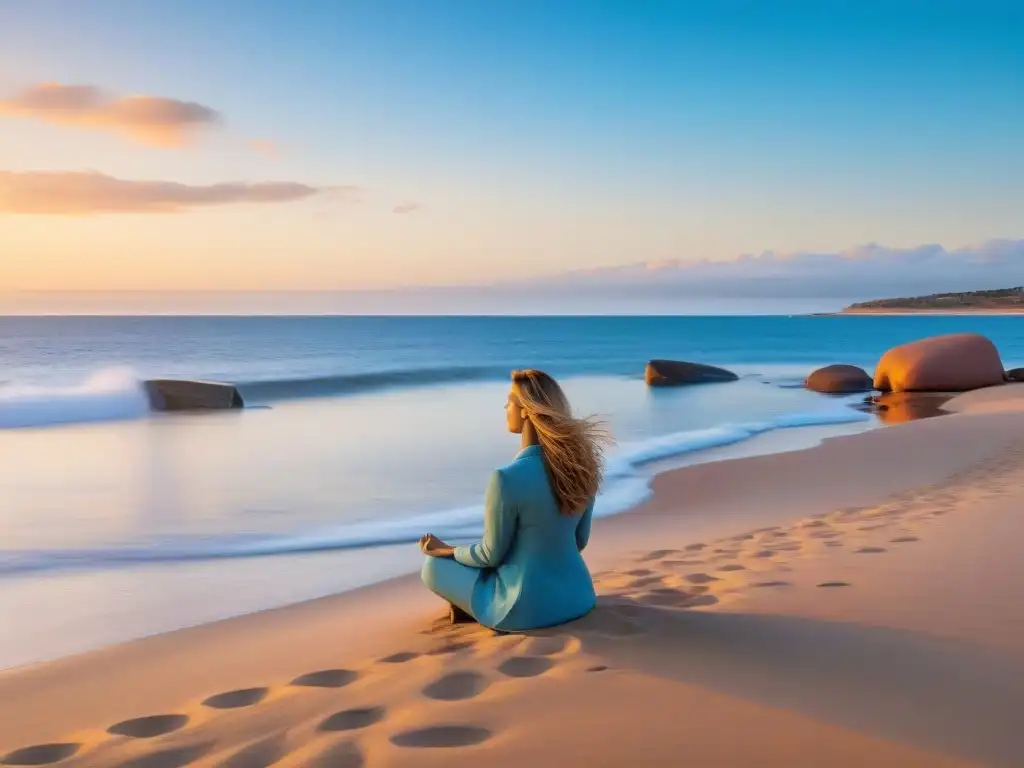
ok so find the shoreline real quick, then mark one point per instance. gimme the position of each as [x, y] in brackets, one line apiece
[159, 672]
[707, 598]
[902, 312]
[364, 567]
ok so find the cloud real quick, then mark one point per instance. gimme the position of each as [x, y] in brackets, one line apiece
[84, 193]
[864, 272]
[406, 208]
[152, 120]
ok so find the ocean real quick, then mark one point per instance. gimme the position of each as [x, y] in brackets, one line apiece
[359, 435]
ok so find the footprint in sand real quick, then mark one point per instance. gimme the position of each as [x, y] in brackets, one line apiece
[658, 554]
[772, 584]
[904, 539]
[148, 727]
[701, 578]
[833, 543]
[825, 534]
[834, 584]
[549, 646]
[640, 572]
[665, 597]
[456, 686]
[442, 736]
[598, 668]
[41, 754]
[449, 648]
[170, 758]
[733, 567]
[681, 563]
[326, 678]
[345, 754]
[700, 601]
[869, 550]
[399, 658]
[643, 581]
[694, 547]
[352, 719]
[765, 553]
[245, 697]
[525, 666]
[262, 754]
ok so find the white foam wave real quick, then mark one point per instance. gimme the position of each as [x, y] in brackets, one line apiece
[626, 486]
[107, 395]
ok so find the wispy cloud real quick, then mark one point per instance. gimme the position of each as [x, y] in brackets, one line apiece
[152, 120]
[406, 208]
[862, 272]
[85, 193]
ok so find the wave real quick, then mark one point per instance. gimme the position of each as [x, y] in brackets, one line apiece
[107, 395]
[119, 393]
[353, 383]
[626, 486]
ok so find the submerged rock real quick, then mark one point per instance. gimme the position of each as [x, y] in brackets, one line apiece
[668, 373]
[179, 395]
[839, 379]
[953, 363]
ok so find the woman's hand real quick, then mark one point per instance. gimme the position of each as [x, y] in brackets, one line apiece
[434, 547]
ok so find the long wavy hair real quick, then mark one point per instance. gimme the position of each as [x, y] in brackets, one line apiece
[573, 448]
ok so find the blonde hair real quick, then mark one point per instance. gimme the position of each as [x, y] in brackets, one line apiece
[572, 447]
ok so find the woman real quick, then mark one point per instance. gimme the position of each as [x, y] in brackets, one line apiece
[527, 571]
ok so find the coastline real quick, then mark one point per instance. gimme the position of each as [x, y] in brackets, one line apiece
[75, 699]
[901, 312]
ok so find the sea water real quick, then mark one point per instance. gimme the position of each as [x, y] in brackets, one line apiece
[359, 435]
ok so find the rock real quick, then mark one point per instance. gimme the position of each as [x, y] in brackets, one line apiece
[839, 379]
[1015, 374]
[667, 373]
[953, 363]
[178, 395]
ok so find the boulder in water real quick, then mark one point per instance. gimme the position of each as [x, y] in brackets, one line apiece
[839, 379]
[956, 362]
[180, 395]
[668, 373]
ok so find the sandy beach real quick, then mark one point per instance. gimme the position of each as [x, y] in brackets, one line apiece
[855, 603]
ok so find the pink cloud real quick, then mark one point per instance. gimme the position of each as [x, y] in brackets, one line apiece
[152, 120]
[85, 193]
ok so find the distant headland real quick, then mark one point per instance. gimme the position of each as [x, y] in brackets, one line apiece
[998, 301]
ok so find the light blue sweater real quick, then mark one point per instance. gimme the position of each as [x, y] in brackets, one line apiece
[527, 571]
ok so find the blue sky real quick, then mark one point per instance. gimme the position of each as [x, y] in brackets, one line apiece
[526, 138]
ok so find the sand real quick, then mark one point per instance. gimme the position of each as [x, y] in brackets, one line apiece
[857, 603]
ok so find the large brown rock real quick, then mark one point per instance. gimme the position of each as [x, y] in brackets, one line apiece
[953, 363]
[669, 373]
[179, 395]
[839, 379]
[1015, 374]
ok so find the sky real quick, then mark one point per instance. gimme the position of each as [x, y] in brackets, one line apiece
[373, 145]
